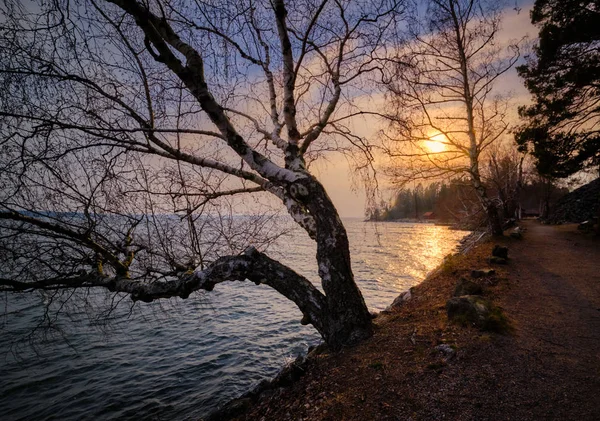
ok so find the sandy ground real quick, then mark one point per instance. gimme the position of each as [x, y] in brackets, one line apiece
[546, 367]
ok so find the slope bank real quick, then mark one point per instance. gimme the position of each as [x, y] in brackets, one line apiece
[580, 205]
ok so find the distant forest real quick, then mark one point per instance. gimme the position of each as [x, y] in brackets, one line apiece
[455, 201]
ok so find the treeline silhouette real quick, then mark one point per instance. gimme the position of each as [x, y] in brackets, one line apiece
[449, 201]
[455, 201]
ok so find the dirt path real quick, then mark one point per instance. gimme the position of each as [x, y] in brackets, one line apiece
[548, 368]
[554, 300]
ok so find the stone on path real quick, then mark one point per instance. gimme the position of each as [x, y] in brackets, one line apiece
[498, 260]
[468, 309]
[467, 287]
[500, 251]
[480, 273]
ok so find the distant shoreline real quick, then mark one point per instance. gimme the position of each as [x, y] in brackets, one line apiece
[436, 222]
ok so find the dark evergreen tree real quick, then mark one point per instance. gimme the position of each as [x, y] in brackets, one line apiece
[563, 124]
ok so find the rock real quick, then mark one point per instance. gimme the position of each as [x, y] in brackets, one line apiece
[266, 394]
[258, 390]
[516, 233]
[317, 350]
[480, 273]
[497, 260]
[290, 373]
[400, 300]
[580, 205]
[265, 389]
[500, 251]
[468, 310]
[586, 226]
[446, 350]
[232, 409]
[467, 287]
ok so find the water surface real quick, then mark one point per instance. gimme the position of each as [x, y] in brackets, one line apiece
[182, 359]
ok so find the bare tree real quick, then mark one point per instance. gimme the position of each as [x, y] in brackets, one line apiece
[442, 83]
[127, 127]
[503, 174]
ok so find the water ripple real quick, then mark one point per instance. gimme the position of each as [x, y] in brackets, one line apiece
[182, 360]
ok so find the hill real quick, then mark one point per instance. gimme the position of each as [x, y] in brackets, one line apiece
[580, 205]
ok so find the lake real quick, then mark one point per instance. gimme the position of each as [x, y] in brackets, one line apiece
[179, 359]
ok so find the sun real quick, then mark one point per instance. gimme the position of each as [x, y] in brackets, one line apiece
[436, 143]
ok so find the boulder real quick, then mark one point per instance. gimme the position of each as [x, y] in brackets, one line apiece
[497, 260]
[467, 287]
[480, 273]
[233, 408]
[399, 300]
[468, 310]
[291, 372]
[500, 251]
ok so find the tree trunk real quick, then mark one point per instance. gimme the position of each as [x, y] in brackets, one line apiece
[348, 320]
[474, 147]
[494, 219]
[491, 210]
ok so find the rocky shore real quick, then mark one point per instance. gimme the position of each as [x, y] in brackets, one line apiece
[582, 204]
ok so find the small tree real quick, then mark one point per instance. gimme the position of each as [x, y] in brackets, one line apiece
[442, 84]
[503, 173]
[125, 125]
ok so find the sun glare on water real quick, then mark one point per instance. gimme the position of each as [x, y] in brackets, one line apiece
[435, 143]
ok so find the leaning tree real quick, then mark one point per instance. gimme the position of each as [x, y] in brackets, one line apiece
[126, 126]
[562, 126]
[442, 82]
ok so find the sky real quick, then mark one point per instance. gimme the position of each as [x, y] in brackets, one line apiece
[343, 184]
[336, 175]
